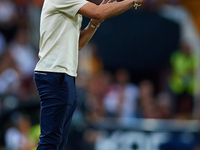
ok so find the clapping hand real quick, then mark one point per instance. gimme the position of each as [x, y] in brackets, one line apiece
[97, 22]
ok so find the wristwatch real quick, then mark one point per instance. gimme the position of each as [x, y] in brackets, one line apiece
[93, 26]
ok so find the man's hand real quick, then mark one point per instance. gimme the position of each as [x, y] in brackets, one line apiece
[98, 13]
[97, 22]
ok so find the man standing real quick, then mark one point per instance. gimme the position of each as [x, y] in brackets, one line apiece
[60, 40]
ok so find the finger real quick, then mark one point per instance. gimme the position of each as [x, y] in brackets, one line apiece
[103, 2]
[110, 1]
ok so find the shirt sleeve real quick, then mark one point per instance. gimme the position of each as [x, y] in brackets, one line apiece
[69, 7]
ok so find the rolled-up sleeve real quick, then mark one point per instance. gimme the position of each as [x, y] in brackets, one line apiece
[69, 7]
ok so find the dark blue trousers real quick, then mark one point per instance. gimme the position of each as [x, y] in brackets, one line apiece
[57, 92]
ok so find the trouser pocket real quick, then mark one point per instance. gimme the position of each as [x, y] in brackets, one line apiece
[60, 78]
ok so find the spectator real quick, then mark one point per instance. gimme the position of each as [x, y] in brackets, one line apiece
[9, 81]
[8, 21]
[97, 88]
[182, 79]
[9, 74]
[164, 104]
[120, 101]
[22, 7]
[18, 138]
[146, 101]
[23, 53]
[25, 59]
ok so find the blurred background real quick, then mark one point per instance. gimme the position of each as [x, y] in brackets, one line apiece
[138, 79]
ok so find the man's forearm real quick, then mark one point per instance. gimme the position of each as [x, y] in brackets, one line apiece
[86, 34]
[106, 11]
[100, 13]
[114, 9]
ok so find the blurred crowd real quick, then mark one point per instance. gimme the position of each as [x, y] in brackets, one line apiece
[18, 54]
[101, 93]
